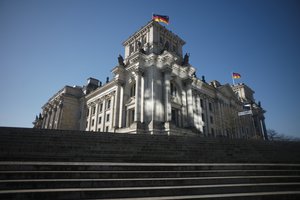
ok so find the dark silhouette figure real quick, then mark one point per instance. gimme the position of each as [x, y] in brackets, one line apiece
[185, 61]
[121, 60]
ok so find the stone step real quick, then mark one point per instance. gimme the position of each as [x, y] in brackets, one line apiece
[74, 180]
[131, 138]
[139, 182]
[13, 175]
[73, 135]
[131, 192]
[287, 195]
[125, 166]
[18, 142]
[145, 143]
[55, 164]
[142, 154]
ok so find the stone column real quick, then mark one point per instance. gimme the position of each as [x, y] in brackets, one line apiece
[88, 128]
[54, 116]
[113, 109]
[60, 107]
[206, 116]
[198, 112]
[184, 118]
[189, 100]
[104, 114]
[222, 107]
[121, 106]
[194, 106]
[45, 116]
[168, 107]
[96, 115]
[137, 115]
[48, 118]
[116, 108]
[50, 125]
[142, 98]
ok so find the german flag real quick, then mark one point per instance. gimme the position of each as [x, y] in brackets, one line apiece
[236, 75]
[160, 18]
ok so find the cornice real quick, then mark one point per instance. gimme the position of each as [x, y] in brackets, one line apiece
[160, 28]
[169, 34]
[102, 89]
[138, 33]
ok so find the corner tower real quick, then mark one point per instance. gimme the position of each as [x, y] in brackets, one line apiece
[153, 38]
[154, 78]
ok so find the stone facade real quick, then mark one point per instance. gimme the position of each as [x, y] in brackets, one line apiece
[62, 111]
[155, 90]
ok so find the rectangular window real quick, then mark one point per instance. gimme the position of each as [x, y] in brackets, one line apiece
[203, 118]
[210, 106]
[107, 117]
[144, 40]
[93, 122]
[106, 129]
[173, 90]
[211, 119]
[100, 120]
[93, 110]
[132, 90]
[108, 104]
[101, 107]
[131, 49]
[175, 48]
[201, 103]
[175, 116]
[131, 116]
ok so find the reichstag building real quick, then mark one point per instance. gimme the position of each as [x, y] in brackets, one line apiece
[155, 90]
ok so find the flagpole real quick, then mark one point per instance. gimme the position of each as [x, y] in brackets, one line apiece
[232, 78]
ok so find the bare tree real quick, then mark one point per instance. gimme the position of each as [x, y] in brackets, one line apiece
[227, 120]
[273, 135]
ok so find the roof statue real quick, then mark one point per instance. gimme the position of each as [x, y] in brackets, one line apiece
[185, 61]
[121, 60]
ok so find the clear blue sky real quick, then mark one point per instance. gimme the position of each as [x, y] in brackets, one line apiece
[45, 45]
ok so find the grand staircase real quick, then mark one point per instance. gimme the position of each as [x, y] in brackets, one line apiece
[51, 164]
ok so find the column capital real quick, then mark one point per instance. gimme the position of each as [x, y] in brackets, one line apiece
[120, 82]
[98, 100]
[91, 104]
[139, 71]
[167, 69]
[187, 81]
